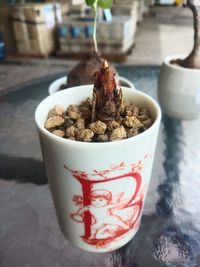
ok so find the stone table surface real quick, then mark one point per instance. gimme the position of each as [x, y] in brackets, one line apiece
[29, 233]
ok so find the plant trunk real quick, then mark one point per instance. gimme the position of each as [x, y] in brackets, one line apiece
[107, 95]
[193, 60]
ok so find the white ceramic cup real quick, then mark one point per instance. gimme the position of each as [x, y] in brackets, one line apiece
[179, 90]
[98, 188]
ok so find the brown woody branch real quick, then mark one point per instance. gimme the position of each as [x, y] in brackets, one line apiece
[107, 95]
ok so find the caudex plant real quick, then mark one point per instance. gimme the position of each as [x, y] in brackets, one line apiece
[192, 61]
[93, 61]
[107, 95]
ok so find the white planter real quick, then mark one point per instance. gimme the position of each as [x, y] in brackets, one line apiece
[179, 90]
[55, 85]
[98, 188]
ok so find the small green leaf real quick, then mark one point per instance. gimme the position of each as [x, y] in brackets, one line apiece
[89, 2]
[105, 4]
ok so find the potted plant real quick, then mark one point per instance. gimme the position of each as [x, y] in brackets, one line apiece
[179, 82]
[98, 185]
[89, 66]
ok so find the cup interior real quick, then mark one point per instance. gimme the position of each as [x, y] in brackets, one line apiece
[78, 94]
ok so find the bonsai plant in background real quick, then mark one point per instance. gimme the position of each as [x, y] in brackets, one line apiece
[179, 82]
[92, 63]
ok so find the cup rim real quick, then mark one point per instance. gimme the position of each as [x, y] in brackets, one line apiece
[177, 67]
[63, 79]
[95, 144]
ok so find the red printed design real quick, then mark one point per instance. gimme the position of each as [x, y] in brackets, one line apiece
[106, 209]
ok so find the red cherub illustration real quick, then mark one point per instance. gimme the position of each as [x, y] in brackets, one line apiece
[102, 209]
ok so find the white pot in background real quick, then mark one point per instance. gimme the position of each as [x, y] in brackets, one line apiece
[55, 85]
[98, 188]
[179, 90]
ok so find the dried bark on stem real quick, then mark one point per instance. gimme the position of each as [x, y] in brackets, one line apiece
[107, 95]
[193, 60]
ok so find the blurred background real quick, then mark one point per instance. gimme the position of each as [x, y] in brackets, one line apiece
[41, 38]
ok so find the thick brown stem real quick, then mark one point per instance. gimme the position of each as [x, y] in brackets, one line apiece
[107, 95]
[193, 60]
